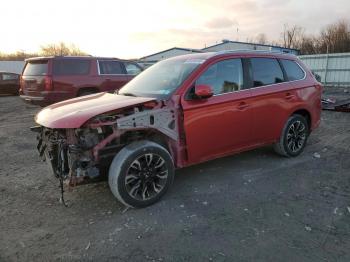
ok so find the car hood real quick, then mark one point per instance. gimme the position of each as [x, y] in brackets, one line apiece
[73, 113]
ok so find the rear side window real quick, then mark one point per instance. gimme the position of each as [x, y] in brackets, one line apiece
[36, 68]
[71, 67]
[223, 77]
[266, 71]
[110, 67]
[293, 70]
[9, 77]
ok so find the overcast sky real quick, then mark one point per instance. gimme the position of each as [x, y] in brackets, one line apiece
[131, 29]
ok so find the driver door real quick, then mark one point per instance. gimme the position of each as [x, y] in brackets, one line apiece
[221, 124]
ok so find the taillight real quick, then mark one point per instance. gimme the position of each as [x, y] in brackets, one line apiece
[48, 83]
[21, 83]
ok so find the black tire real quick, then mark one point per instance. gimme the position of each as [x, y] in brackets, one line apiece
[138, 177]
[294, 137]
[86, 93]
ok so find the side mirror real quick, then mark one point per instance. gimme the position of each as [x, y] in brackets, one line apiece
[317, 76]
[203, 91]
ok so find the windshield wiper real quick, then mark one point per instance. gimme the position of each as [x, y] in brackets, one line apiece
[128, 94]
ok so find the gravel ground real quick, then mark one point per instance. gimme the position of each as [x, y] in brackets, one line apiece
[255, 206]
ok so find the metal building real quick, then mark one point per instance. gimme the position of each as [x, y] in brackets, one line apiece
[235, 45]
[12, 66]
[175, 51]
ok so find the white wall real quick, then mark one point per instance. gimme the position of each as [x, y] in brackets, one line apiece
[12, 66]
[334, 69]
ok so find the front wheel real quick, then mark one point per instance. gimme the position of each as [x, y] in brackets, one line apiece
[293, 138]
[141, 173]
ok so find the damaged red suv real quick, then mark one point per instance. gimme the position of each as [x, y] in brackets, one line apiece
[179, 112]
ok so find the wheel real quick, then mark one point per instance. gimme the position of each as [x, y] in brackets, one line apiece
[293, 138]
[141, 173]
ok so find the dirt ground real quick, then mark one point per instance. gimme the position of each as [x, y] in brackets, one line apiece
[255, 206]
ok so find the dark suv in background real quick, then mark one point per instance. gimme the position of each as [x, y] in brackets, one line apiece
[9, 83]
[47, 80]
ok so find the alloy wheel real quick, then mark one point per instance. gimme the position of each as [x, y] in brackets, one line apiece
[146, 176]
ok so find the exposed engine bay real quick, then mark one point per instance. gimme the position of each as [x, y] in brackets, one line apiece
[76, 155]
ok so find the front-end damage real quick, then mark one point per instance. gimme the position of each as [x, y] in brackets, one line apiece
[76, 155]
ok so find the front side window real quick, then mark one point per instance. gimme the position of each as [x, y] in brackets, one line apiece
[132, 69]
[293, 70]
[266, 71]
[109, 67]
[71, 67]
[223, 77]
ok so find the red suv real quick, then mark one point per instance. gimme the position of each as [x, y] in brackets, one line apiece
[179, 112]
[46, 80]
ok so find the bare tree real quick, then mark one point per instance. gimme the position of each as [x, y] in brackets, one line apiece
[335, 38]
[292, 36]
[261, 39]
[60, 49]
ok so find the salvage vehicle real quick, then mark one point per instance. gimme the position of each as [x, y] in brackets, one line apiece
[179, 112]
[9, 83]
[47, 80]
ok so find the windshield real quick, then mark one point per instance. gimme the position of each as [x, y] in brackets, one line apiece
[162, 79]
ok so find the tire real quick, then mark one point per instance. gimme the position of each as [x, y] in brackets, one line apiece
[86, 93]
[293, 138]
[141, 173]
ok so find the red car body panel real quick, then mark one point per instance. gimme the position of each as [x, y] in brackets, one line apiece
[213, 127]
[73, 113]
[239, 121]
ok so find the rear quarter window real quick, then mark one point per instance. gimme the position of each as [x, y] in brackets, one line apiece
[266, 71]
[36, 68]
[71, 67]
[110, 67]
[293, 70]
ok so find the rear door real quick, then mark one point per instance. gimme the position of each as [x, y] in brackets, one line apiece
[220, 124]
[113, 75]
[271, 95]
[33, 77]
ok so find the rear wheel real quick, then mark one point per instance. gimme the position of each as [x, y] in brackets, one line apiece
[293, 138]
[141, 173]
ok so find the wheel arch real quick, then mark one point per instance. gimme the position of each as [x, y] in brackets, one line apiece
[87, 89]
[305, 113]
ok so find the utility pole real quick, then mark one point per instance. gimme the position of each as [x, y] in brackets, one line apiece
[326, 69]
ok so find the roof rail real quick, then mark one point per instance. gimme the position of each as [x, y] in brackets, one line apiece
[250, 51]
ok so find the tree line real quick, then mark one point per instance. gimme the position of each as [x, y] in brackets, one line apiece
[334, 38]
[59, 49]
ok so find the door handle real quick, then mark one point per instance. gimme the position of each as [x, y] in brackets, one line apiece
[289, 96]
[242, 105]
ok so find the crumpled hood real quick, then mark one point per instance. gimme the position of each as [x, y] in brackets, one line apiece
[73, 113]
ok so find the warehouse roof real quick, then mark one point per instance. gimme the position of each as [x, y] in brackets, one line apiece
[174, 48]
[246, 43]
